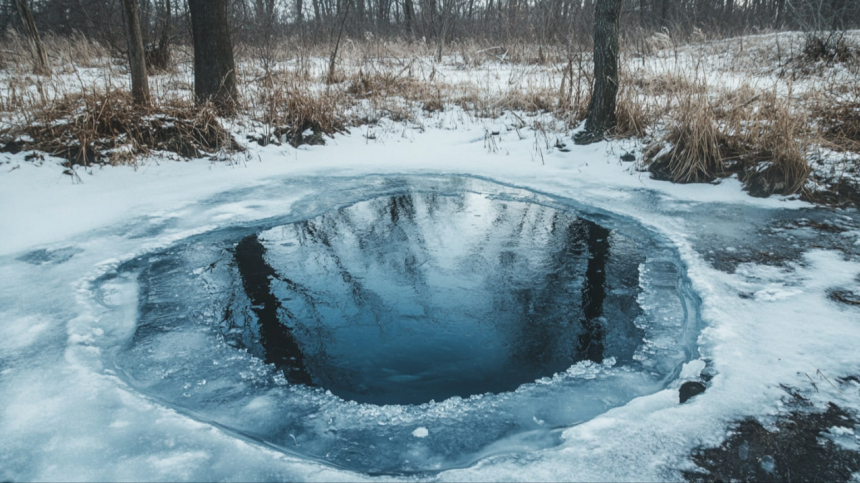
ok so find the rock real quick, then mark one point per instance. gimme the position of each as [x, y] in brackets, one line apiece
[585, 137]
[690, 389]
[13, 147]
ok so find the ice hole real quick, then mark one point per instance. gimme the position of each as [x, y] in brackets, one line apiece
[418, 297]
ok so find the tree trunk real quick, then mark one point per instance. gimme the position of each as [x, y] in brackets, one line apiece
[332, 62]
[409, 17]
[601, 109]
[664, 13]
[432, 16]
[136, 57]
[440, 42]
[166, 30]
[146, 16]
[780, 14]
[40, 57]
[728, 13]
[214, 67]
[317, 18]
[382, 13]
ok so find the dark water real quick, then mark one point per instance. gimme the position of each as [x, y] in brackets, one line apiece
[418, 297]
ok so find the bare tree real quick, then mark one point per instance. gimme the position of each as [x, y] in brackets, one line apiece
[409, 17]
[136, 57]
[214, 67]
[330, 77]
[158, 53]
[40, 57]
[551, 24]
[601, 109]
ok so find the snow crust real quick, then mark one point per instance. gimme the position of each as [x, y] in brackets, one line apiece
[64, 415]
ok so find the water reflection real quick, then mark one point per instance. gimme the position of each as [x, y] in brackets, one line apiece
[404, 299]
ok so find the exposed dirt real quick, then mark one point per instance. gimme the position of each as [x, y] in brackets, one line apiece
[795, 450]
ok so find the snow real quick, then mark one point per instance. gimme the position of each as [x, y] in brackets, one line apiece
[692, 369]
[65, 415]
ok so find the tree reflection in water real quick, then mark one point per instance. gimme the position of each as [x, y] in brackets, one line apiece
[404, 299]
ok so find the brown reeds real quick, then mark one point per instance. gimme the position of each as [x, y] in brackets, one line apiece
[759, 137]
[298, 114]
[839, 122]
[107, 127]
[690, 151]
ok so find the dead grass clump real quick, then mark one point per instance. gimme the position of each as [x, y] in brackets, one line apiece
[434, 102]
[773, 152]
[64, 52]
[573, 110]
[301, 116]
[532, 100]
[840, 125]
[77, 50]
[382, 87]
[383, 83]
[158, 57]
[690, 152]
[735, 106]
[574, 92]
[660, 85]
[633, 115]
[97, 128]
[820, 52]
[763, 140]
[828, 47]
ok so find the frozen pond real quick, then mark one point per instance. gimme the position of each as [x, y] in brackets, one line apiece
[334, 326]
[404, 325]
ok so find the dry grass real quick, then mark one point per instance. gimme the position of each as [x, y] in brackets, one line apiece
[669, 84]
[106, 127]
[384, 83]
[839, 122]
[634, 113]
[289, 107]
[694, 141]
[828, 47]
[760, 137]
[773, 151]
[63, 52]
[703, 132]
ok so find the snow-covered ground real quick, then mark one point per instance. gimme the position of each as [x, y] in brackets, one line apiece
[764, 280]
